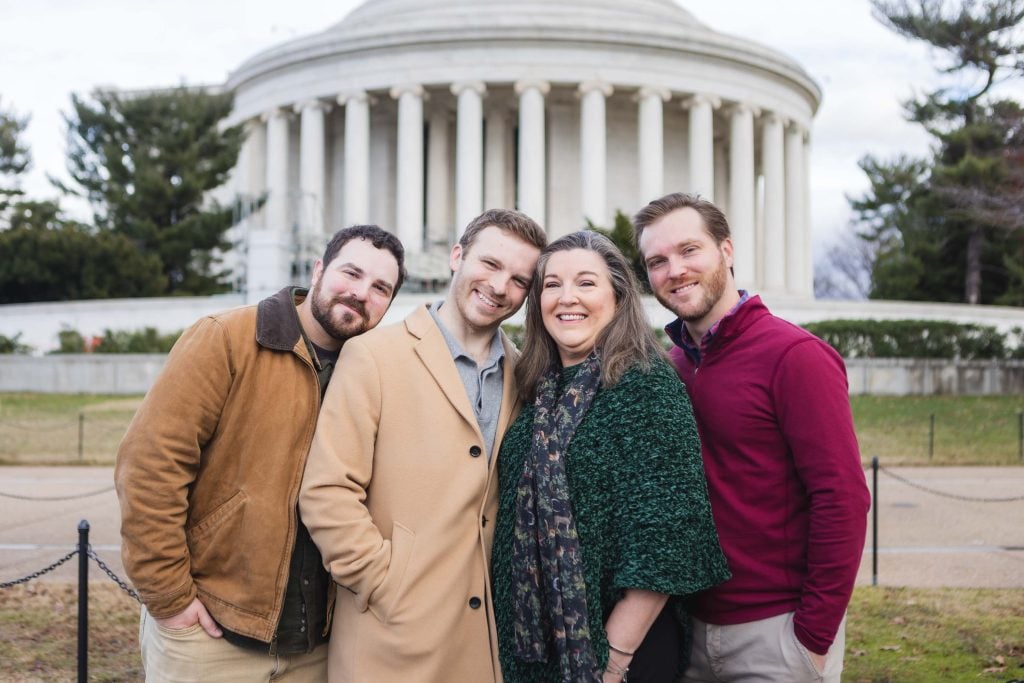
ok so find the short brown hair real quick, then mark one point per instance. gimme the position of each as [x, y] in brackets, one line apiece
[714, 220]
[518, 224]
[376, 236]
[626, 342]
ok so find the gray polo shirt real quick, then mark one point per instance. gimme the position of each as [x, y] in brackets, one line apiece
[483, 384]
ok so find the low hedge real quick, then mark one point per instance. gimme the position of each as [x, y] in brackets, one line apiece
[918, 339]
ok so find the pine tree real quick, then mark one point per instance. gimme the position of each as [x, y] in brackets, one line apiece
[944, 233]
[14, 156]
[146, 163]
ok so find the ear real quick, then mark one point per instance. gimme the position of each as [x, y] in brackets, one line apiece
[726, 247]
[318, 273]
[455, 258]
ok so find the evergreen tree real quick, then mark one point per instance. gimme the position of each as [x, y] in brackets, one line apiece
[621, 233]
[948, 228]
[14, 156]
[146, 163]
[47, 257]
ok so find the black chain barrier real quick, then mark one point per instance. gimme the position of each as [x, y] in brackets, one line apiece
[946, 494]
[36, 575]
[70, 497]
[113, 577]
[91, 554]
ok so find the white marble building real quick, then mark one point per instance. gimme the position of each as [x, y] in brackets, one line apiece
[417, 115]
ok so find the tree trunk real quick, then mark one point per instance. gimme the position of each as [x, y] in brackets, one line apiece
[972, 281]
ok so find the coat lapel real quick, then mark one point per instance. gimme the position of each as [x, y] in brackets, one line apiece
[433, 352]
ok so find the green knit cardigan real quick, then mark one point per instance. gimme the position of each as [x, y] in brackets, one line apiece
[639, 500]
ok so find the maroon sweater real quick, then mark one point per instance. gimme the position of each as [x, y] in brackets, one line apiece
[787, 489]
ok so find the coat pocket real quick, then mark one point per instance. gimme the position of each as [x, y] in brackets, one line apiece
[387, 596]
[216, 532]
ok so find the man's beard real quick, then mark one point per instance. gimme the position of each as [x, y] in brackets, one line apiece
[339, 327]
[713, 285]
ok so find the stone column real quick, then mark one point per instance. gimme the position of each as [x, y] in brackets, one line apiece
[269, 263]
[651, 142]
[702, 145]
[742, 214]
[774, 169]
[410, 167]
[532, 181]
[469, 153]
[796, 256]
[312, 166]
[496, 157]
[808, 286]
[439, 179]
[357, 157]
[276, 209]
[252, 165]
[593, 151]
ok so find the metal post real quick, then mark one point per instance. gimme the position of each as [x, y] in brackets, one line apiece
[931, 437]
[1020, 436]
[83, 601]
[874, 521]
[81, 435]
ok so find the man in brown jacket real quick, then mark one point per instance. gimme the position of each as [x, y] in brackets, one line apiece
[399, 492]
[208, 476]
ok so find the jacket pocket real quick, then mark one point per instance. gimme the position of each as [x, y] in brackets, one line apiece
[216, 529]
[385, 599]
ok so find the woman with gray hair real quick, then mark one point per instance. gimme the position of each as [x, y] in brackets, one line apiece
[603, 512]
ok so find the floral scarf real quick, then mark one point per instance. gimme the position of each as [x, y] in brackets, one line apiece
[549, 595]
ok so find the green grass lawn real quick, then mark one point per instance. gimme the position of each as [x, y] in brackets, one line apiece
[894, 635]
[48, 428]
[969, 430]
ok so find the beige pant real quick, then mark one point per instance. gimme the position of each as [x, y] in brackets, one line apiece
[189, 655]
[764, 651]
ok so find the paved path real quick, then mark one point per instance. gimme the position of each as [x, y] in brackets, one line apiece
[925, 539]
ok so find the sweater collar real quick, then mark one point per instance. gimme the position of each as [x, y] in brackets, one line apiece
[746, 311]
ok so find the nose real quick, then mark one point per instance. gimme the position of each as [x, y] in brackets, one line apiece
[567, 295]
[499, 283]
[360, 289]
[676, 266]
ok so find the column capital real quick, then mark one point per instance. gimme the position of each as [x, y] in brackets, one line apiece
[796, 128]
[355, 96]
[773, 117]
[698, 99]
[476, 86]
[311, 104]
[408, 89]
[591, 86]
[742, 108]
[663, 94]
[522, 86]
[276, 112]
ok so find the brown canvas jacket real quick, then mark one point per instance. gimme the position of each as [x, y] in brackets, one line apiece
[208, 473]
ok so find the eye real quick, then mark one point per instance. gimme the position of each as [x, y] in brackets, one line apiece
[382, 288]
[551, 284]
[655, 262]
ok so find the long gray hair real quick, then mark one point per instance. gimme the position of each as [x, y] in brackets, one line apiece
[625, 342]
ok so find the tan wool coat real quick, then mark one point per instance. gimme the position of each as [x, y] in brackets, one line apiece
[401, 500]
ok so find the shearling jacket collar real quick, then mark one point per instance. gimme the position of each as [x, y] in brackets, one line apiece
[277, 321]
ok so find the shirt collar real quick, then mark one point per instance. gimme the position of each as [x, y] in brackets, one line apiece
[678, 333]
[494, 356]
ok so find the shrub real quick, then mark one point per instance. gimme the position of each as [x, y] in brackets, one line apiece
[146, 340]
[13, 344]
[915, 339]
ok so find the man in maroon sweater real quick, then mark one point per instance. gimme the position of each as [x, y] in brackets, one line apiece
[787, 489]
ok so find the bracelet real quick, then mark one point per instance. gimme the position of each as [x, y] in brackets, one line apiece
[621, 671]
[621, 652]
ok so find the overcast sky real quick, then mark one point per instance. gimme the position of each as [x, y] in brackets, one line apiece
[51, 48]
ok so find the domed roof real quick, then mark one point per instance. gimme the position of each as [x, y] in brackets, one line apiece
[417, 17]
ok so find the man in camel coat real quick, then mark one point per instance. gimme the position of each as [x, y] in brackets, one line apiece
[399, 492]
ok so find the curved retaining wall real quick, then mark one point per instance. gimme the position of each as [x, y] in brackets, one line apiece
[134, 374]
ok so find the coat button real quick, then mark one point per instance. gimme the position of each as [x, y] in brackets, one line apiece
[474, 602]
[475, 451]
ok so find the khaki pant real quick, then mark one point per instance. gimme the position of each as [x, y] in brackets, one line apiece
[189, 655]
[764, 651]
